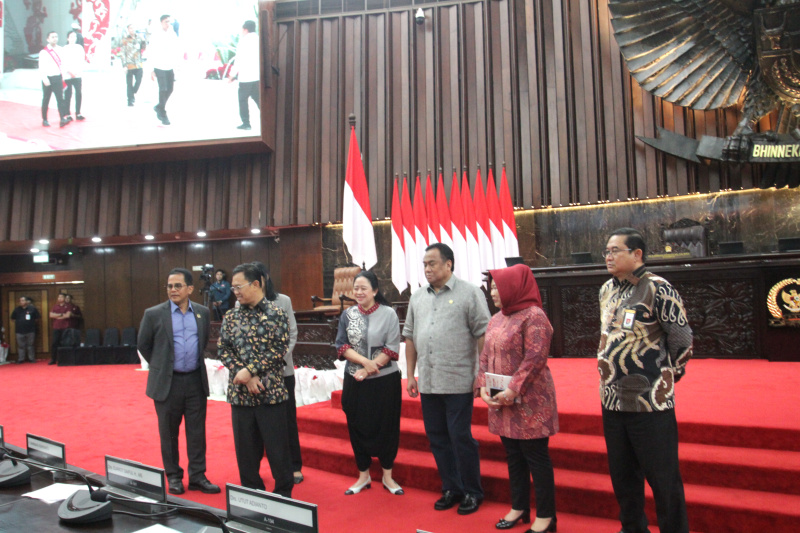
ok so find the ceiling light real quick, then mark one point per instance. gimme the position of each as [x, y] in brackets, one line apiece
[44, 241]
[149, 237]
[97, 239]
[255, 231]
[201, 233]
[34, 250]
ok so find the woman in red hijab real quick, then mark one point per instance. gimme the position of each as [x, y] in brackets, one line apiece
[523, 412]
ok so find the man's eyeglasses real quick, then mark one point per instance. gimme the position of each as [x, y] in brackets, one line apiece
[176, 286]
[238, 288]
[614, 251]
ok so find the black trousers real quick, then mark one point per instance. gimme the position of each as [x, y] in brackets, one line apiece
[291, 425]
[73, 84]
[56, 89]
[645, 446]
[528, 457]
[133, 79]
[247, 90]
[254, 430]
[448, 425]
[186, 400]
[57, 335]
[166, 82]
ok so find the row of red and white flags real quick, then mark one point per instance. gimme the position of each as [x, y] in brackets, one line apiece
[479, 228]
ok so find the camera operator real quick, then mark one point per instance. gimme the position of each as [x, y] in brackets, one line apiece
[219, 294]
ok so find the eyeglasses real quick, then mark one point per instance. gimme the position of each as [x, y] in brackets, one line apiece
[176, 286]
[238, 288]
[615, 252]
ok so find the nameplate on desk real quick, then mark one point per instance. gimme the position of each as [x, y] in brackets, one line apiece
[256, 510]
[46, 451]
[139, 479]
[670, 255]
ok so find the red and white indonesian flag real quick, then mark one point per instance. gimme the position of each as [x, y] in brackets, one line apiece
[495, 223]
[461, 268]
[482, 219]
[398, 251]
[445, 226]
[434, 231]
[509, 223]
[471, 234]
[356, 213]
[409, 245]
[421, 229]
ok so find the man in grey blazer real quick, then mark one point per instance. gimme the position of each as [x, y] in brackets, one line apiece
[172, 337]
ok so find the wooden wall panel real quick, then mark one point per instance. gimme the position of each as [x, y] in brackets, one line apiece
[94, 288]
[147, 289]
[118, 287]
[299, 246]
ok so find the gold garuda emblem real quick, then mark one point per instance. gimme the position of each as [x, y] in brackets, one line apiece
[783, 302]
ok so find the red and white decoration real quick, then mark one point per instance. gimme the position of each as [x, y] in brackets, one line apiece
[356, 213]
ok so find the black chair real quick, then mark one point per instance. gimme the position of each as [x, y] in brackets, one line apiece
[92, 337]
[129, 336]
[111, 337]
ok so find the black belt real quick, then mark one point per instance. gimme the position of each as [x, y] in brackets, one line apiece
[186, 373]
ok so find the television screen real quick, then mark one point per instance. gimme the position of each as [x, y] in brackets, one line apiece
[129, 76]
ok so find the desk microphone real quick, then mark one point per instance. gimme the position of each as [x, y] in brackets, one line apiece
[79, 508]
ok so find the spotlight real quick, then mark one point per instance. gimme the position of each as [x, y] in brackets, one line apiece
[44, 241]
[35, 250]
[149, 237]
[201, 233]
[97, 239]
[255, 231]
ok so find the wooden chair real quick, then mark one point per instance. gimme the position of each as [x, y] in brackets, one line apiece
[341, 298]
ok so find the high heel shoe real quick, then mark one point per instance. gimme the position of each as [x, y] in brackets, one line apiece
[551, 527]
[397, 492]
[355, 489]
[505, 524]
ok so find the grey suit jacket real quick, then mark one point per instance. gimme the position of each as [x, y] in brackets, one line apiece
[156, 345]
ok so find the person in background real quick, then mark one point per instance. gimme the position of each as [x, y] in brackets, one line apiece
[219, 294]
[75, 314]
[247, 68]
[285, 303]
[60, 315]
[253, 339]
[74, 58]
[132, 46]
[172, 338]
[369, 339]
[25, 317]
[645, 344]
[523, 412]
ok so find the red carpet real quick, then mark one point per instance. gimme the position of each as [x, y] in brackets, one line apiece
[739, 423]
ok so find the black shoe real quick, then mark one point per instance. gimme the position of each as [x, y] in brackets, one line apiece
[175, 486]
[525, 517]
[165, 121]
[298, 478]
[159, 114]
[469, 504]
[80, 117]
[448, 500]
[51, 363]
[243, 127]
[551, 527]
[130, 104]
[45, 124]
[68, 118]
[204, 485]
[63, 123]
[20, 361]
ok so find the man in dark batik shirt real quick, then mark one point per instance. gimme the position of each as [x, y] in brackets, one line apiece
[253, 340]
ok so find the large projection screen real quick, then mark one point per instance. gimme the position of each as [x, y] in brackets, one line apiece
[203, 110]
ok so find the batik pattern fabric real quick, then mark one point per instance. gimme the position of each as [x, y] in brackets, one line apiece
[255, 338]
[645, 343]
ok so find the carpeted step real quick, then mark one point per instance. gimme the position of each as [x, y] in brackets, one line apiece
[716, 434]
[722, 466]
[710, 508]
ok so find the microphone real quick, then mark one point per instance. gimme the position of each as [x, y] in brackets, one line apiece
[77, 509]
[103, 495]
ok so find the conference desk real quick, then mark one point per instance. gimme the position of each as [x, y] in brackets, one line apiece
[20, 514]
[98, 355]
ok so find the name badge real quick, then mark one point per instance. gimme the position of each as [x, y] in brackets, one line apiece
[28, 316]
[629, 319]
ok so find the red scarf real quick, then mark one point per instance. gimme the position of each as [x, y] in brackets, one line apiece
[517, 288]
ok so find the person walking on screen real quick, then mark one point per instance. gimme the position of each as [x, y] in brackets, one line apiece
[74, 64]
[172, 338]
[60, 315]
[132, 46]
[252, 342]
[523, 410]
[645, 344]
[163, 55]
[444, 330]
[246, 68]
[51, 74]
[25, 317]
